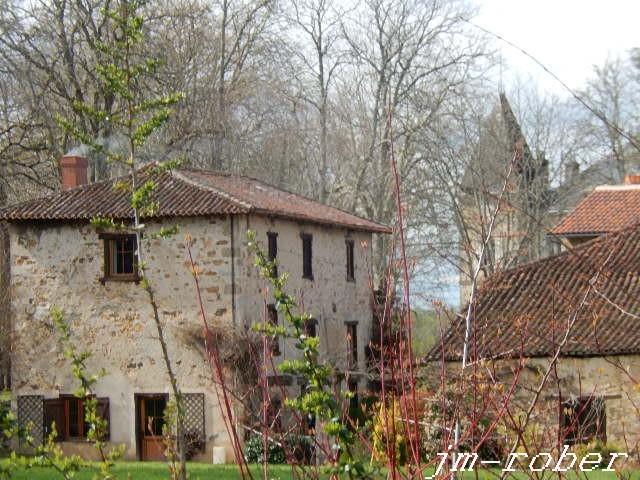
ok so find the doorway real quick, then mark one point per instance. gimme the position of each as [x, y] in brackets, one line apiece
[149, 425]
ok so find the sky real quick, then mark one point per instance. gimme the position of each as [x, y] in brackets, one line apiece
[567, 36]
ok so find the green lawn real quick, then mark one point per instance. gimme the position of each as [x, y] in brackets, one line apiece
[201, 471]
[157, 470]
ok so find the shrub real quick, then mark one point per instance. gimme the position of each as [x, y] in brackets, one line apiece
[301, 448]
[194, 444]
[254, 452]
[598, 446]
[5, 409]
[383, 428]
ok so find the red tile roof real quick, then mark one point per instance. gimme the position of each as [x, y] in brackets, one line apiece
[606, 209]
[525, 311]
[187, 192]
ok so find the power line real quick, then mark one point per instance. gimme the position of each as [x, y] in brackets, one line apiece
[601, 116]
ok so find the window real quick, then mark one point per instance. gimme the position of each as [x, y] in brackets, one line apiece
[310, 328]
[272, 250]
[272, 318]
[120, 257]
[307, 254]
[352, 345]
[354, 401]
[67, 413]
[582, 420]
[351, 268]
[154, 408]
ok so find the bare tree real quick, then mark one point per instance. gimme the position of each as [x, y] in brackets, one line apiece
[404, 65]
[614, 92]
[318, 21]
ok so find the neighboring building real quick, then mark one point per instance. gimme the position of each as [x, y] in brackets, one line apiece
[518, 233]
[53, 256]
[533, 202]
[591, 295]
[606, 209]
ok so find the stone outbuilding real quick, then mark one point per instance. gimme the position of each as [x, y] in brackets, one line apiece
[53, 256]
[581, 306]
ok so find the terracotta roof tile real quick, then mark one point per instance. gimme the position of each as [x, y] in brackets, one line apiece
[186, 192]
[605, 209]
[525, 310]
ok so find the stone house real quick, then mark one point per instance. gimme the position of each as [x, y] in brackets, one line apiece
[54, 257]
[583, 305]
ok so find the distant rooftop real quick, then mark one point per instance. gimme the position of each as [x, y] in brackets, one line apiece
[524, 311]
[606, 209]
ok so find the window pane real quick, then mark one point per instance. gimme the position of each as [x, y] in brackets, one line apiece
[307, 268]
[352, 344]
[154, 410]
[123, 251]
[74, 417]
[273, 250]
[273, 321]
[350, 260]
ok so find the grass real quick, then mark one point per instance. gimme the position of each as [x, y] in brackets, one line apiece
[156, 470]
[202, 471]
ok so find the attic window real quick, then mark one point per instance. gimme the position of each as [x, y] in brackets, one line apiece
[351, 268]
[120, 257]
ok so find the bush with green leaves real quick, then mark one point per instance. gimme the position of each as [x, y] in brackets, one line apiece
[254, 450]
[605, 450]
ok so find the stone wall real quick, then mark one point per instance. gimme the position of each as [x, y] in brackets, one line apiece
[62, 265]
[5, 321]
[329, 298]
[613, 379]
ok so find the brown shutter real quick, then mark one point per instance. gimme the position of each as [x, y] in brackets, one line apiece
[54, 413]
[103, 412]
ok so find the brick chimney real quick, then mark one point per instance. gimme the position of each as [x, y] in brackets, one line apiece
[73, 171]
[632, 179]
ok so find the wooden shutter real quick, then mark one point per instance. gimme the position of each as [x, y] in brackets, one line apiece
[103, 412]
[54, 413]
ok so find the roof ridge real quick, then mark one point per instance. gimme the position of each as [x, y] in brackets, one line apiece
[249, 177]
[176, 173]
[604, 237]
[616, 188]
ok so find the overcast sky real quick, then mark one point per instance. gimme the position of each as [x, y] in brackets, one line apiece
[568, 36]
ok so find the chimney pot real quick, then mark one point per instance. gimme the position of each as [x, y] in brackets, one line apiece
[73, 171]
[632, 179]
